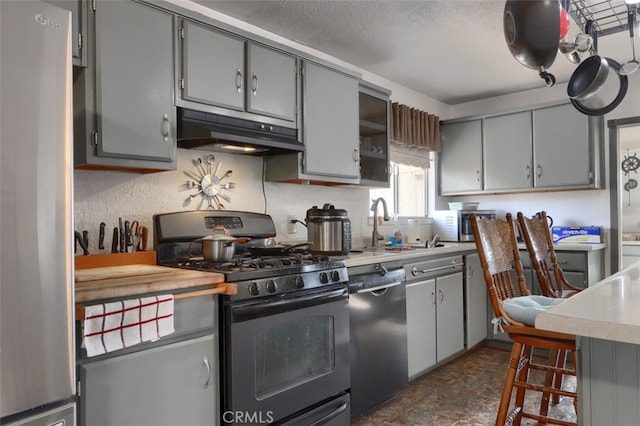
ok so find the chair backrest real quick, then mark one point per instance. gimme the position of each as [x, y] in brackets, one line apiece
[537, 238]
[498, 251]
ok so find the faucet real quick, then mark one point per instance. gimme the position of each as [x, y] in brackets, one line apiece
[375, 236]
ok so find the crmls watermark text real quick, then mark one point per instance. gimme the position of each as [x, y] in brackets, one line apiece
[240, 417]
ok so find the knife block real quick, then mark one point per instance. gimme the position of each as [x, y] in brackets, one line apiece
[115, 259]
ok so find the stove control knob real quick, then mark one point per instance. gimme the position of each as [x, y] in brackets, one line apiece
[324, 278]
[299, 282]
[253, 289]
[271, 286]
[335, 276]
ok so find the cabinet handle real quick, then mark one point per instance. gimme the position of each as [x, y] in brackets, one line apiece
[539, 170]
[356, 155]
[441, 296]
[254, 80]
[239, 80]
[470, 271]
[433, 298]
[205, 360]
[165, 127]
[528, 171]
[478, 176]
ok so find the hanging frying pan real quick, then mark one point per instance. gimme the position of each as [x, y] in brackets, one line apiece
[532, 32]
[589, 78]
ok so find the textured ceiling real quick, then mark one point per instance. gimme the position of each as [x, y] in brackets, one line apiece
[451, 50]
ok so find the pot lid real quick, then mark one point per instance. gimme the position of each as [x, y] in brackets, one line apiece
[327, 211]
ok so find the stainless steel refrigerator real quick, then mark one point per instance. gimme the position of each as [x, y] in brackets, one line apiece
[37, 360]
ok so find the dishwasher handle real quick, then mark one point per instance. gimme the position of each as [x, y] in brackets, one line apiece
[454, 265]
[378, 287]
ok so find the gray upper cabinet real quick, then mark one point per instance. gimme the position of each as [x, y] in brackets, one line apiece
[329, 132]
[330, 122]
[271, 82]
[78, 9]
[123, 103]
[552, 148]
[460, 159]
[508, 152]
[225, 74]
[563, 148]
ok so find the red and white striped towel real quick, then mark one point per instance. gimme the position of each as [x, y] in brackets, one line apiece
[116, 325]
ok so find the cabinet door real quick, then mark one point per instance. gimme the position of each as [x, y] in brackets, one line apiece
[134, 81]
[330, 122]
[168, 385]
[507, 152]
[476, 298]
[460, 160]
[562, 148]
[450, 312]
[271, 83]
[212, 67]
[374, 138]
[421, 326]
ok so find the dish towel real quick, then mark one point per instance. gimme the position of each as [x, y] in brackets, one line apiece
[117, 325]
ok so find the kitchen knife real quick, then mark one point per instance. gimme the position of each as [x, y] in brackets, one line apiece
[80, 240]
[127, 235]
[122, 235]
[101, 236]
[144, 233]
[114, 240]
[85, 240]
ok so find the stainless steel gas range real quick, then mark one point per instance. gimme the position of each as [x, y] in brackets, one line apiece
[284, 338]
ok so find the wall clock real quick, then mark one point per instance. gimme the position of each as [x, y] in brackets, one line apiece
[208, 183]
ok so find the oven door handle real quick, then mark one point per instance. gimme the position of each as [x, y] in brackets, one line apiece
[264, 308]
[335, 413]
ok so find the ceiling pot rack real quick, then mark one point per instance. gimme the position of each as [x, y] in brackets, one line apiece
[608, 16]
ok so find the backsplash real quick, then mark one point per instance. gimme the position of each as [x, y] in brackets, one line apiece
[104, 196]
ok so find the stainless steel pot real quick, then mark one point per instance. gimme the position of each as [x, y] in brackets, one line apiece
[329, 230]
[219, 247]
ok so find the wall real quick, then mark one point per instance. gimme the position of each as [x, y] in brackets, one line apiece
[103, 196]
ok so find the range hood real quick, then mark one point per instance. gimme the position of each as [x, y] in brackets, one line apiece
[214, 132]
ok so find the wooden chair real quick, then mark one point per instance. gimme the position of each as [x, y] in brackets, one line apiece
[537, 237]
[498, 251]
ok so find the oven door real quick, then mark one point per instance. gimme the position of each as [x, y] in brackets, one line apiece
[285, 356]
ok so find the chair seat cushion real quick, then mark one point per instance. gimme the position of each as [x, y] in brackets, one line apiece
[526, 308]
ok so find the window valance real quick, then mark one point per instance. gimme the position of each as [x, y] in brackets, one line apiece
[413, 128]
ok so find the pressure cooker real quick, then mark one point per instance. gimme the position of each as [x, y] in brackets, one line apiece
[329, 230]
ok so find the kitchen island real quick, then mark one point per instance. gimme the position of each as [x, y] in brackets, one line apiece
[606, 320]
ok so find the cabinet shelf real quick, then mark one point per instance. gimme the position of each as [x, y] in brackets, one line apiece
[367, 125]
[374, 155]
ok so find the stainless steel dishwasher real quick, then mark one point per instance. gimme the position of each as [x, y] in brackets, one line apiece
[378, 328]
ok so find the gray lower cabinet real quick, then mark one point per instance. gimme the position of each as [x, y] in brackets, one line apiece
[460, 160]
[123, 101]
[581, 268]
[329, 131]
[608, 383]
[217, 75]
[475, 292]
[435, 325]
[169, 385]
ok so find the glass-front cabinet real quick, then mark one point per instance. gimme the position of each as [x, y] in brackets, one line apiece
[374, 135]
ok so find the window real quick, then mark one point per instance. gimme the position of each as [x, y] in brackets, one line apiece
[407, 192]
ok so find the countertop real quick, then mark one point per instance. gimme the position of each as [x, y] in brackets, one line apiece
[133, 280]
[381, 254]
[608, 310]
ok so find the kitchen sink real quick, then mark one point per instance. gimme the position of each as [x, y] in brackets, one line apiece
[384, 249]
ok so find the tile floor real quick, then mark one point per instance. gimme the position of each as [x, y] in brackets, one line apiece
[464, 392]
